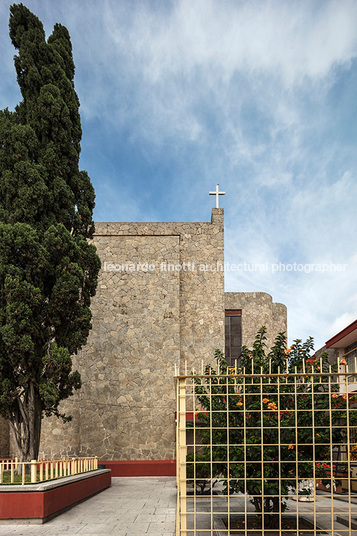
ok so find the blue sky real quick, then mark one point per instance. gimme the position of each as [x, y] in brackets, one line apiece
[258, 96]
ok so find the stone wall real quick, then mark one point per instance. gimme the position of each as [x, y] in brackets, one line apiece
[258, 310]
[160, 302]
[168, 309]
[4, 438]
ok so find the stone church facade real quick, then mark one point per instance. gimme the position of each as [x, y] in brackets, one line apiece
[160, 302]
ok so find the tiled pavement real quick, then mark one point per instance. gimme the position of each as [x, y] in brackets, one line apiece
[143, 506]
[317, 512]
[130, 507]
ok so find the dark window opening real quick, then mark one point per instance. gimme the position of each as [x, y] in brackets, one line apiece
[233, 335]
[350, 355]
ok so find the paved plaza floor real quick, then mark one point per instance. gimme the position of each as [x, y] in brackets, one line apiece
[317, 512]
[146, 505]
[130, 507]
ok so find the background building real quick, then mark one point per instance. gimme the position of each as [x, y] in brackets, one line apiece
[341, 346]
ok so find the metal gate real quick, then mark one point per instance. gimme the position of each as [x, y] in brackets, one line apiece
[266, 454]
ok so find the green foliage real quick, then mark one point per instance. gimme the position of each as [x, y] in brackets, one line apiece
[249, 416]
[48, 270]
[199, 469]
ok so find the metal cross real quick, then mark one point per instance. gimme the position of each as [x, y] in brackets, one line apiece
[217, 193]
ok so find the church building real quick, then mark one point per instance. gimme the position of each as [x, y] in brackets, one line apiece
[160, 302]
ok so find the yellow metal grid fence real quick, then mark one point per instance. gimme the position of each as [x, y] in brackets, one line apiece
[266, 454]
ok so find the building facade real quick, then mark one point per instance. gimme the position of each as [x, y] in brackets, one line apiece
[160, 302]
[342, 347]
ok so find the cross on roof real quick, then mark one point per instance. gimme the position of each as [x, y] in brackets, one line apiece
[217, 193]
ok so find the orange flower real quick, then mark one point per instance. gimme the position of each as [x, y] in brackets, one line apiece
[287, 351]
[344, 396]
[353, 453]
[272, 406]
[334, 395]
[290, 446]
[239, 403]
[343, 362]
[265, 400]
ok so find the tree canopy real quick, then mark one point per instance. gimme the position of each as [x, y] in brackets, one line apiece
[48, 267]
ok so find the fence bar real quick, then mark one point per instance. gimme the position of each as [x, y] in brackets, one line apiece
[43, 470]
[33, 471]
[276, 444]
[182, 452]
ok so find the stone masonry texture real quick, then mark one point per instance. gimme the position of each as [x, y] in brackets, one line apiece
[169, 309]
[160, 302]
[258, 310]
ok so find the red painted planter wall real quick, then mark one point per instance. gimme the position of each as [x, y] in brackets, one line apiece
[141, 467]
[41, 504]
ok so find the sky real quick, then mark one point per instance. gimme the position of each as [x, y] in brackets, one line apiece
[256, 96]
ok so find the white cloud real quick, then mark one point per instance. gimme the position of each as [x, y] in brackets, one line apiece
[238, 93]
[294, 39]
[341, 322]
[164, 66]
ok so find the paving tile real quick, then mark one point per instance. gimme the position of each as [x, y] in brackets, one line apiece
[53, 528]
[127, 517]
[143, 526]
[115, 533]
[155, 528]
[5, 530]
[165, 511]
[150, 518]
[130, 507]
[97, 528]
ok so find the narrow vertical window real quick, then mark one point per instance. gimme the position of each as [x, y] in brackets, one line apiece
[233, 335]
[350, 355]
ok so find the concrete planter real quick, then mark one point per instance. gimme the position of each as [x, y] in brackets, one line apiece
[38, 503]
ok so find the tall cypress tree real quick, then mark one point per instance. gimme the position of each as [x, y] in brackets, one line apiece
[48, 269]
